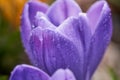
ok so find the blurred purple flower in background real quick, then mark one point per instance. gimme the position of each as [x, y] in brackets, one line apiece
[62, 36]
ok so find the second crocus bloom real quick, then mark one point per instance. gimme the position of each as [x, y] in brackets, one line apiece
[27, 72]
[62, 36]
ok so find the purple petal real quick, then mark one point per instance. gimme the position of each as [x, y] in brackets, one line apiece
[26, 72]
[63, 75]
[101, 35]
[25, 27]
[53, 49]
[29, 13]
[49, 43]
[78, 31]
[42, 21]
[42, 24]
[62, 9]
[94, 14]
[34, 7]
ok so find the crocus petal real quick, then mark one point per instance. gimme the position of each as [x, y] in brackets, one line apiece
[101, 35]
[34, 7]
[55, 48]
[42, 21]
[94, 14]
[25, 27]
[28, 18]
[27, 72]
[62, 74]
[62, 9]
[52, 51]
[78, 31]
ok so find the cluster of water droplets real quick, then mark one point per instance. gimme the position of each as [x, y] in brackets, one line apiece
[81, 25]
[107, 26]
[39, 20]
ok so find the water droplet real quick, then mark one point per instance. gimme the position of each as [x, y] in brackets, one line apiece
[54, 58]
[66, 44]
[77, 61]
[80, 25]
[41, 22]
[110, 14]
[68, 66]
[41, 39]
[58, 45]
[53, 39]
[70, 55]
[106, 20]
[71, 47]
[39, 15]
[36, 63]
[40, 19]
[31, 34]
[105, 26]
[81, 28]
[58, 38]
[33, 26]
[93, 40]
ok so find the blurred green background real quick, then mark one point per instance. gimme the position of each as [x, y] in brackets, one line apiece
[12, 51]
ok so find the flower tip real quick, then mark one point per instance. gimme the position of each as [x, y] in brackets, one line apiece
[103, 4]
[69, 74]
[16, 69]
[82, 14]
[106, 6]
[19, 67]
[63, 74]
[40, 16]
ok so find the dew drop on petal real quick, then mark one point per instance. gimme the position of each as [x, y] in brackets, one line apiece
[93, 40]
[33, 26]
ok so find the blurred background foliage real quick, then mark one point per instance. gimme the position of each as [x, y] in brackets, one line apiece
[12, 51]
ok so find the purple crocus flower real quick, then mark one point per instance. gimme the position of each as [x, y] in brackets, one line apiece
[27, 72]
[62, 36]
